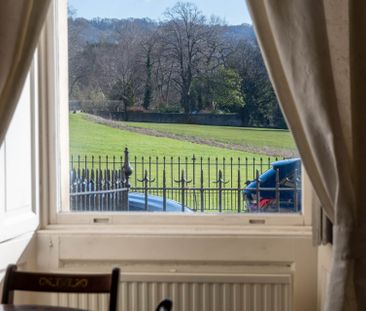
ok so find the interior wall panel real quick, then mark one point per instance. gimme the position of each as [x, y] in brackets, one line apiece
[18, 165]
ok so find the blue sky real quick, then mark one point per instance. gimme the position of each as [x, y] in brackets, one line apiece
[234, 12]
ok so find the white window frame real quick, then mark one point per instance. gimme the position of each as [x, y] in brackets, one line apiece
[53, 62]
[24, 219]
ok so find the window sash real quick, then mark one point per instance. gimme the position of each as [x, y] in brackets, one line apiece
[55, 165]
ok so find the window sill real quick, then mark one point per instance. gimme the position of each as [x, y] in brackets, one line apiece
[173, 219]
[180, 230]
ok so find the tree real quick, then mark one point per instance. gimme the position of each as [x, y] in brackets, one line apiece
[186, 37]
[261, 107]
[81, 57]
[163, 71]
[226, 90]
[82, 67]
[121, 73]
[219, 91]
[148, 84]
[123, 92]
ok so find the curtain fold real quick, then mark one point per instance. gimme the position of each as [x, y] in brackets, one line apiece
[316, 53]
[20, 26]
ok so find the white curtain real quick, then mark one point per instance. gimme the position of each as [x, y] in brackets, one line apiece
[20, 25]
[315, 51]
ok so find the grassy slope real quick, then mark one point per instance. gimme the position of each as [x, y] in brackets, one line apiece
[233, 135]
[89, 138]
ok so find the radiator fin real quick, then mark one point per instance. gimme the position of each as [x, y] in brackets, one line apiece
[258, 293]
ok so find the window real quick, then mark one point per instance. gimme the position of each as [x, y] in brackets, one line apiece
[64, 171]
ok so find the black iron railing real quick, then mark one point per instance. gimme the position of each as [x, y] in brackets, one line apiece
[192, 183]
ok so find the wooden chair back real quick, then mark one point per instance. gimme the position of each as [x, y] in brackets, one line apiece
[61, 283]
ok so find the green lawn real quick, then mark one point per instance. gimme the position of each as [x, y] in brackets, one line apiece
[90, 138]
[281, 139]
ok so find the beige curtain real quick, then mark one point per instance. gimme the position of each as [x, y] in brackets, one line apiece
[315, 51]
[20, 25]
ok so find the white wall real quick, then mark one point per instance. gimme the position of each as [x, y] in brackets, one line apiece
[243, 251]
[324, 266]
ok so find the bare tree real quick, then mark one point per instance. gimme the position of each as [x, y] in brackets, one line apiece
[163, 73]
[188, 41]
[79, 57]
[122, 66]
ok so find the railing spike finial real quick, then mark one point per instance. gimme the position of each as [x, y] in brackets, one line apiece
[146, 181]
[220, 179]
[127, 168]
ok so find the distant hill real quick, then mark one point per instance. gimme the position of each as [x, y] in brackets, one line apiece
[106, 29]
[240, 32]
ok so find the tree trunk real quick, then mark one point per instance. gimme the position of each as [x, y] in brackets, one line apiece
[125, 110]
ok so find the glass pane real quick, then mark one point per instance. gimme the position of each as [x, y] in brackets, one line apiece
[184, 88]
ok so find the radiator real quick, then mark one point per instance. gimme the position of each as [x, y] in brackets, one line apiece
[194, 292]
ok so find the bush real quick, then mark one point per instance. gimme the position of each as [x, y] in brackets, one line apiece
[137, 109]
[169, 108]
[89, 106]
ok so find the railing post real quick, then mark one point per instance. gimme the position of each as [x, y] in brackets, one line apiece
[183, 183]
[194, 170]
[216, 167]
[202, 192]
[257, 189]
[278, 197]
[183, 186]
[232, 197]
[149, 168]
[78, 188]
[146, 181]
[254, 167]
[220, 191]
[127, 168]
[157, 174]
[194, 181]
[261, 164]
[136, 170]
[107, 183]
[164, 190]
[295, 190]
[83, 188]
[72, 185]
[91, 186]
[221, 182]
[87, 189]
[209, 181]
[126, 172]
[246, 168]
[239, 192]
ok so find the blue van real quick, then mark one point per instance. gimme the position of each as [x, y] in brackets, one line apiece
[289, 188]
